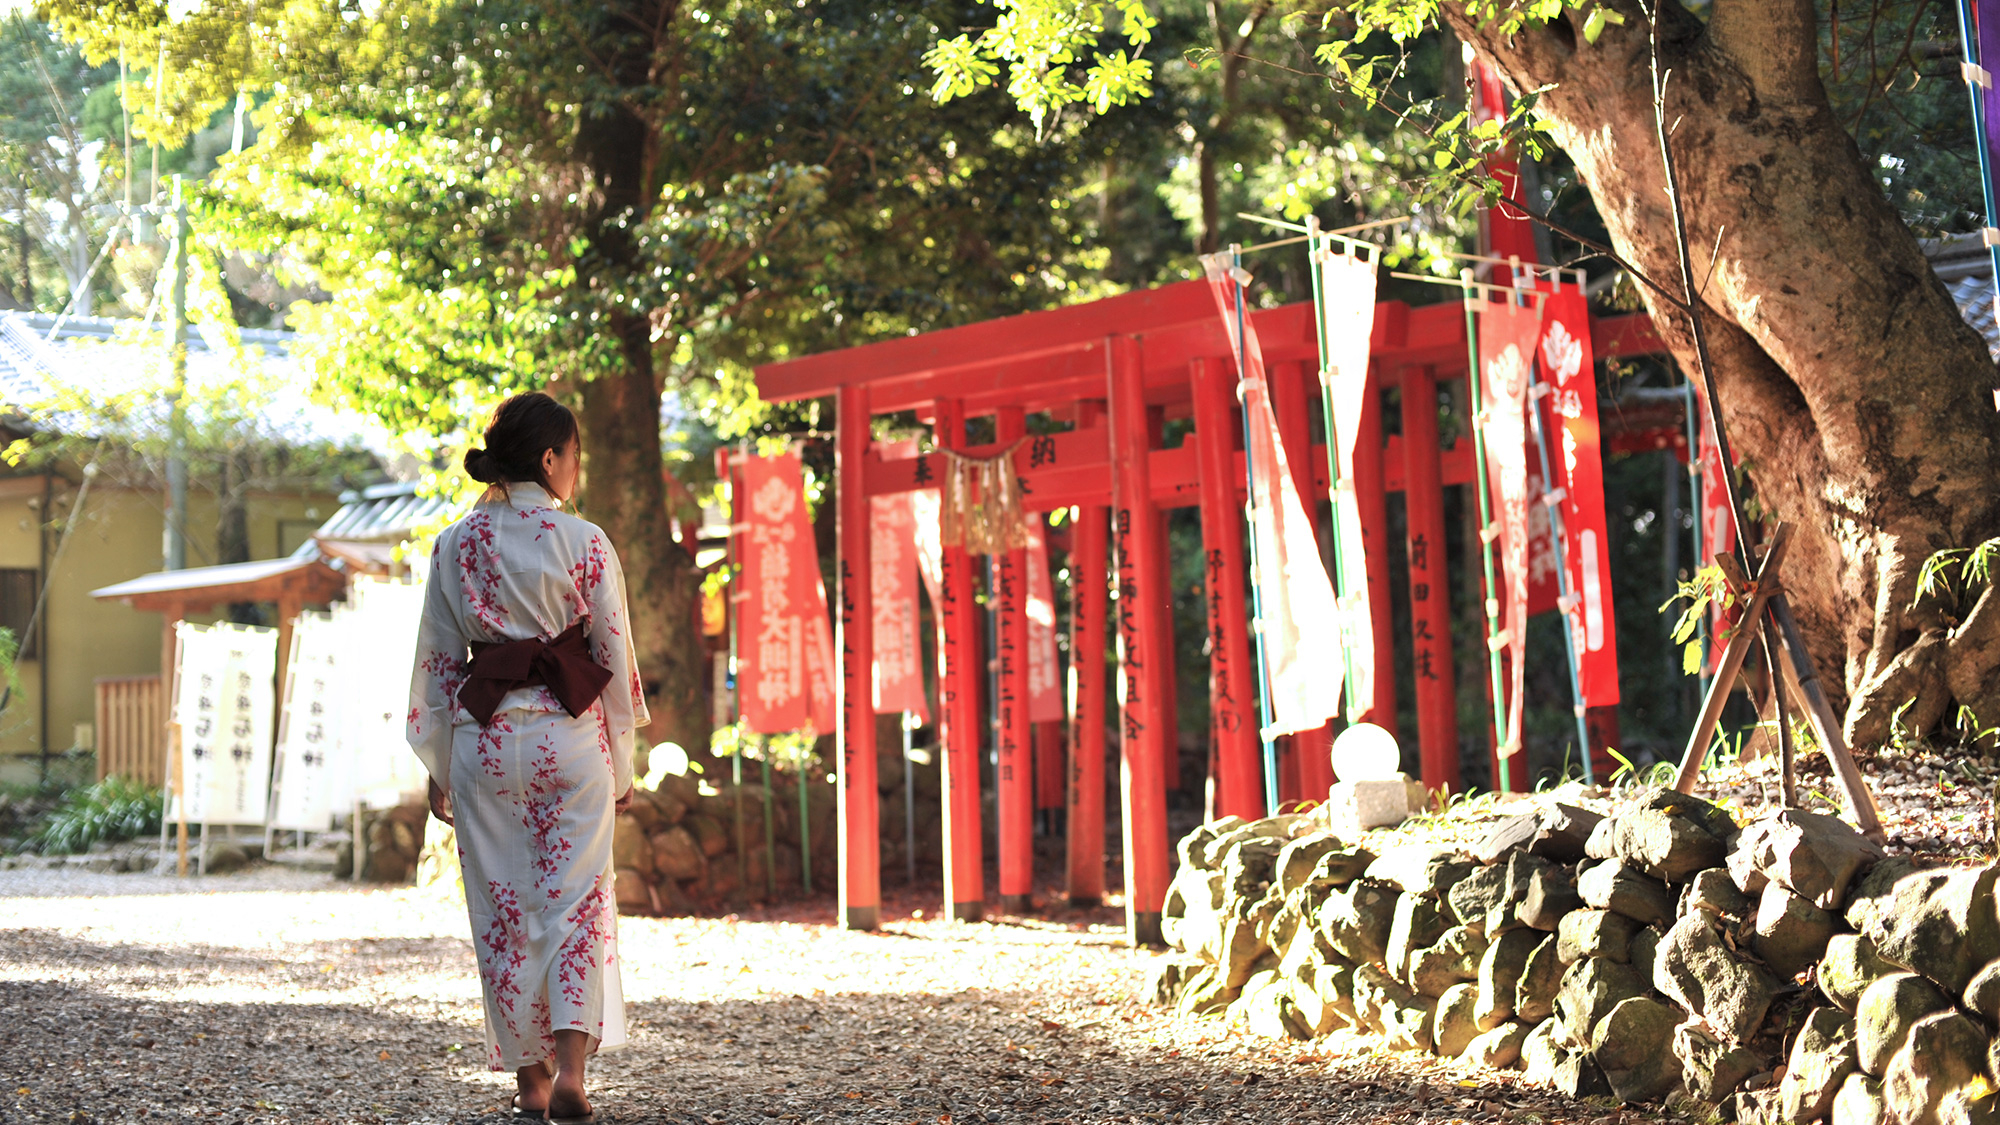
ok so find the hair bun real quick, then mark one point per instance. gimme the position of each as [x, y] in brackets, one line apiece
[481, 466]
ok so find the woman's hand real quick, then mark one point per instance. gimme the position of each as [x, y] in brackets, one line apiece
[624, 803]
[440, 803]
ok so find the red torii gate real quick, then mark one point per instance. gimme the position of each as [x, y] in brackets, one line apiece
[1117, 368]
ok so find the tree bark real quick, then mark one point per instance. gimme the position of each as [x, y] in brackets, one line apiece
[1855, 393]
[623, 488]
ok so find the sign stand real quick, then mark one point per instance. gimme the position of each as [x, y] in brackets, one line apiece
[1767, 611]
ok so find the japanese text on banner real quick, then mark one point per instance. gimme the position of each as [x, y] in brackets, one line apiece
[785, 642]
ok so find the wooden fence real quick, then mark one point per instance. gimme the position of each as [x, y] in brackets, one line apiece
[131, 729]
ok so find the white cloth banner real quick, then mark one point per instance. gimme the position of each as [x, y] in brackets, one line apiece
[377, 646]
[225, 707]
[312, 781]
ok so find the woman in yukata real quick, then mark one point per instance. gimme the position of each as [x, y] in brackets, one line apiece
[522, 706]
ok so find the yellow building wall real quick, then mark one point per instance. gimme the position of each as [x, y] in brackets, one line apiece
[118, 536]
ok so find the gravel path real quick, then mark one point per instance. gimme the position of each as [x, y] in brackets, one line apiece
[278, 997]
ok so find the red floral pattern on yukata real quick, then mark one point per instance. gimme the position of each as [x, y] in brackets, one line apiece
[533, 790]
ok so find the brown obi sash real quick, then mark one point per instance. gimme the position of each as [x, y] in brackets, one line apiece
[563, 665]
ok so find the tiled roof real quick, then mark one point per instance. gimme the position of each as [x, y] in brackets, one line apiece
[42, 355]
[383, 513]
[1966, 268]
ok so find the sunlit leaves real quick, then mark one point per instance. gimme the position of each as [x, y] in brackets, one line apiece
[1042, 42]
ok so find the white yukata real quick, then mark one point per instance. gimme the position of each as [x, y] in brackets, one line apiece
[532, 792]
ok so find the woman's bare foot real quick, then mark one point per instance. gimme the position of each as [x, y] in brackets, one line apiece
[566, 1097]
[533, 1083]
[567, 1100]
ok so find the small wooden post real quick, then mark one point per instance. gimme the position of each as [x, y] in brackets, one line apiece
[1089, 608]
[860, 812]
[1430, 586]
[1232, 683]
[958, 705]
[1013, 775]
[1135, 545]
[1163, 610]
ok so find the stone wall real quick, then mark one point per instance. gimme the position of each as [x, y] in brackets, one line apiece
[1644, 949]
[676, 848]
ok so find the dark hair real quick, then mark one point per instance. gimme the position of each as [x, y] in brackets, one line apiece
[524, 426]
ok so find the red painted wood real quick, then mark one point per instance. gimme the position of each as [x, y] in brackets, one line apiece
[1617, 337]
[1163, 609]
[1013, 775]
[1135, 545]
[1023, 336]
[1232, 679]
[1602, 724]
[1049, 768]
[1372, 506]
[1435, 685]
[859, 830]
[958, 686]
[1089, 617]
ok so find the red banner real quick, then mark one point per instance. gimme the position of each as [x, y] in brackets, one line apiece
[1570, 369]
[784, 658]
[892, 552]
[1045, 689]
[1298, 615]
[1507, 336]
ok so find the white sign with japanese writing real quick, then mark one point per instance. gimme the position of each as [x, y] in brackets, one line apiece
[225, 707]
[312, 781]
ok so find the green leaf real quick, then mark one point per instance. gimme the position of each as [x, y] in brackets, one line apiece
[1593, 25]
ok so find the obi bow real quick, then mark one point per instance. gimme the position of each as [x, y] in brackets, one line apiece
[562, 664]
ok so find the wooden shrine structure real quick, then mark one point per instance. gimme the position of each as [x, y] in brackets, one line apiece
[1114, 371]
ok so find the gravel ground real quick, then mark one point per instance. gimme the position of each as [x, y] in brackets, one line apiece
[280, 997]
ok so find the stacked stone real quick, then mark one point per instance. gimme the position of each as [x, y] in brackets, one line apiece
[1785, 972]
[392, 844]
[676, 851]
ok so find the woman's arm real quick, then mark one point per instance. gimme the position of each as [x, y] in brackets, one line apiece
[439, 671]
[624, 698]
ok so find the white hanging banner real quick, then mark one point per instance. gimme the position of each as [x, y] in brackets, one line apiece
[225, 707]
[378, 644]
[311, 783]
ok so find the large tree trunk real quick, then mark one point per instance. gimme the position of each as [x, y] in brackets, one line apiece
[624, 491]
[1856, 395]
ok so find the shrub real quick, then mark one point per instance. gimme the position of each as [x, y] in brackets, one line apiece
[112, 809]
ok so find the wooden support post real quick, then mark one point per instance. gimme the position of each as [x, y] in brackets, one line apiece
[1163, 604]
[1089, 601]
[1826, 725]
[1232, 678]
[1049, 769]
[1733, 655]
[1372, 506]
[1013, 776]
[1135, 546]
[860, 812]
[1430, 585]
[958, 706]
[170, 685]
